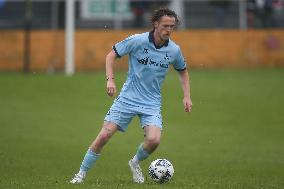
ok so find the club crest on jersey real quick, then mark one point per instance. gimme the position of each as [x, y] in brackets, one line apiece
[145, 50]
[167, 57]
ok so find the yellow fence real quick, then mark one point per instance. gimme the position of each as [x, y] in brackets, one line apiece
[201, 48]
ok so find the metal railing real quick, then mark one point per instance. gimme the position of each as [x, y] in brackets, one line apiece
[50, 14]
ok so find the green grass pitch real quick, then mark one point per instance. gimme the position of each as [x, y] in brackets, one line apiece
[234, 138]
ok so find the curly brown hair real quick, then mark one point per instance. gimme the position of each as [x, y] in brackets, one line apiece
[159, 13]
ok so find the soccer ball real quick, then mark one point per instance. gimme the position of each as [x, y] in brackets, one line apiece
[161, 170]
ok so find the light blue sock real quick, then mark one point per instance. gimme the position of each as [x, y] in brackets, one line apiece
[89, 159]
[141, 154]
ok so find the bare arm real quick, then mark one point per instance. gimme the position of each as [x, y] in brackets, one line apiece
[111, 87]
[184, 78]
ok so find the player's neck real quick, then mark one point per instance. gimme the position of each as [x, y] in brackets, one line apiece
[158, 40]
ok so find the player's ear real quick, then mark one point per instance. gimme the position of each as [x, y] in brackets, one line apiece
[156, 24]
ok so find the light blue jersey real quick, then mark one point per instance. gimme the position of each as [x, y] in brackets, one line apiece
[148, 66]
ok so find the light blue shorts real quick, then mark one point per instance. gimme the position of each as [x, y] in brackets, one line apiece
[122, 113]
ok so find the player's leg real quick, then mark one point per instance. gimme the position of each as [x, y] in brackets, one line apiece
[117, 118]
[151, 142]
[105, 134]
[152, 124]
[152, 137]
[93, 152]
[151, 121]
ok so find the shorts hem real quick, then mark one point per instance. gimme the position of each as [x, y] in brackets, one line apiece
[118, 126]
[155, 125]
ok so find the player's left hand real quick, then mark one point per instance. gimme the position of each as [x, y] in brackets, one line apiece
[187, 103]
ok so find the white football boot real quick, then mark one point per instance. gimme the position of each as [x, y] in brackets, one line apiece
[78, 178]
[136, 171]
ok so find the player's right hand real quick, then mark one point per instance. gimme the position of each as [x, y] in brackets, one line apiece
[111, 87]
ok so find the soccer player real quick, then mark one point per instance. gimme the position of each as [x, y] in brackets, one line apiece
[150, 56]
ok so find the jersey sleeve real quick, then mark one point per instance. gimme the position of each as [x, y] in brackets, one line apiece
[125, 47]
[179, 63]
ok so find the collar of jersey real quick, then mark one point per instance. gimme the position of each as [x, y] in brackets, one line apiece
[151, 39]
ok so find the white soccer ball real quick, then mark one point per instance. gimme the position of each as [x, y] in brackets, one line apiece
[161, 170]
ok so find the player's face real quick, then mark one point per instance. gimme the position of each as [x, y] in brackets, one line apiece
[165, 27]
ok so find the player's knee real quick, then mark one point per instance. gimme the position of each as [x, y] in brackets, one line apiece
[104, 137]
[153, 141]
